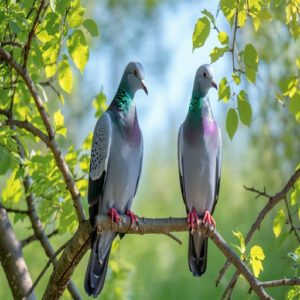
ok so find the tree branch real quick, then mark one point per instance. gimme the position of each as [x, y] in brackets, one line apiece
[61, 163]
[79, 245]
[281, 282]
[31, 33]
[12, 260]
[34, 237]
[13, 210]
[256, 225]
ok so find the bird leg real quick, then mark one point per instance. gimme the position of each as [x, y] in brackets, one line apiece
[193, 219]
[133, 217]
[208, 221]
[114, 215]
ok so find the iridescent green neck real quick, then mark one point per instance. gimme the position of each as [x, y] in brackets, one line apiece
[123, 100]
[196, 104]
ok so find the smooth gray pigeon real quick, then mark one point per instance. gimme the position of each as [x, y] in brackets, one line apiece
[115, 168]
[199, 160]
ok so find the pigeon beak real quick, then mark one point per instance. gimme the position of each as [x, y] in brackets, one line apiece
[144, 87]
[214, 84]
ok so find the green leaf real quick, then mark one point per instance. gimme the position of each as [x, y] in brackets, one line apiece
[59, 123]
[232, 121]
[241, 239]
[224, 90]
[65, 77]
[242, 18]
[99, 103]
[91, 26]
[236, 78]
[14, 191]
[217, 52]
[223, 38]
[75, 16]
[295, 104]
[201, 32]
[78, 49]
[244, 108]
[251, 62]
[278, 222]
[256, 257]
[209, 15]
[228, 8]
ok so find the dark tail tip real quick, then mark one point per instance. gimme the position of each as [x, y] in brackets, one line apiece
[95, 273]
[197, 254]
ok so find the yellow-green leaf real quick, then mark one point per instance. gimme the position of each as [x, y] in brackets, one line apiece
[99, 103]
[59, 123]
[278, 222]
[223, 38]
[256, 257]
[75, 16]
[232, 121]
[242, 18]
[244, 108]
[65, 77]
[217, 52]
[50, 70]
[241, 239]
[78, 49]
[13, 191]
[224, 90]
[201, 32]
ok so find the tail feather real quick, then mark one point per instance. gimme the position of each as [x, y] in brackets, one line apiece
[96, 272]
[197, 253]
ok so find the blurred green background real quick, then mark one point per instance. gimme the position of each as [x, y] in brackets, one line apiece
[159, 34]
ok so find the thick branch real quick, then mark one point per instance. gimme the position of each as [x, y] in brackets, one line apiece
[12, 259]
[80, 243]
[61, 163]
[263, 213]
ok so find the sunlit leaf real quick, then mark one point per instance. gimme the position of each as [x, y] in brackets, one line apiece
[209, 15]
[75, 16]
[217, 52]
[278, 222]
[242, 18]
[224, 90]
[232, 121]
[201, 32]
[13, 191]
[223, 37]
[65, 77]
[256, 257]
[251, 62]
[241, 239]
[59, 123]
[78, 49]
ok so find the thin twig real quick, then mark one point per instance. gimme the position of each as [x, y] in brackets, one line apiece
[281, 282]
[14, 210]
[173, 237]
[34, 237]
[31, 33]
[59, 250]
[263, 213]
[293, 228]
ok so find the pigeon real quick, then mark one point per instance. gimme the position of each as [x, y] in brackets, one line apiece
[115, 168]
[199, 160]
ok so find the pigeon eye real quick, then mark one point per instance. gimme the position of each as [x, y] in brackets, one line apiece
[135, 72]
[204, 74]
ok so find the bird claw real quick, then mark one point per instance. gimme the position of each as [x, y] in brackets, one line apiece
[133, 217]
[114, 216]
[208, 221]
[193, 220]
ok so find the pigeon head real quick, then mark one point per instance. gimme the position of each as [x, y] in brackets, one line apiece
[204, 80]
[134, 77]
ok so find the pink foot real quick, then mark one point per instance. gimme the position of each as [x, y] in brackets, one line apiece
[114, 215]
[193, 219]
[133, 217]
[208, 220]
